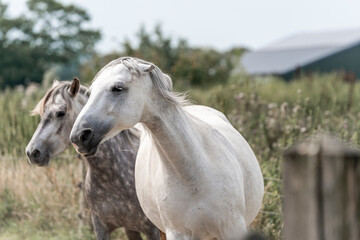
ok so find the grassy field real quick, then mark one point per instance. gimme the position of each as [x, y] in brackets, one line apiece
[42, 203]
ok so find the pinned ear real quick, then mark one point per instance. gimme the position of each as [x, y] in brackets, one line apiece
[146, 67]
[55, 82]
[74, 88]
[149, 69]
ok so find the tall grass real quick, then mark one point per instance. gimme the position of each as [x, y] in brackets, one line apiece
[39, 203]
[16, 124]
[42, 203]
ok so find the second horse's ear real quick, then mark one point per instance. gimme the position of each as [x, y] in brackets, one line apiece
[75, 86]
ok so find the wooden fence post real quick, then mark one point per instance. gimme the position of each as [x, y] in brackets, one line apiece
[321, 190]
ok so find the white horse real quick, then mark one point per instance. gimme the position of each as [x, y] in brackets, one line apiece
[196, 176]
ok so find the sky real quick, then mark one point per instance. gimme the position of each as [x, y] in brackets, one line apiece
[218, 24]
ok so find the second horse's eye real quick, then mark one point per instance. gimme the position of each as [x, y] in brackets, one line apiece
[60, 114]
[117, 88]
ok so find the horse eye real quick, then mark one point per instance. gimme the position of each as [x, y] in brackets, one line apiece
[60, 114]
[117, 88]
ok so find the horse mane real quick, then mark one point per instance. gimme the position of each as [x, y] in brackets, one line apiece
[57, 88]
[162, 82]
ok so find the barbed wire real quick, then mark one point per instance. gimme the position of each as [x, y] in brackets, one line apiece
[274, 194]
[271, 213]
[12, 158]
[273, 179]
[75, 156]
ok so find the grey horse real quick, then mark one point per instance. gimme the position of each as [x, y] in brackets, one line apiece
[109, 185]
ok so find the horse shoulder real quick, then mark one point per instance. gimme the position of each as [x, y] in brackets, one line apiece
[215, 125]
[235, 145]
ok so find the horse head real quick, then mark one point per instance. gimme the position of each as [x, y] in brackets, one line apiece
[119, 94]
[58, 110]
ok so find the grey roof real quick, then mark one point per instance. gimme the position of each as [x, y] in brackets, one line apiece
[299, 50]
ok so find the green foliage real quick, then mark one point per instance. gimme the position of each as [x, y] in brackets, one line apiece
[155, 47]
[202, 67]
[52, 33]
[188, 66]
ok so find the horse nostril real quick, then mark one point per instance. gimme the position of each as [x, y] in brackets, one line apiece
[86, 136]
[28, 154]
[36, 154]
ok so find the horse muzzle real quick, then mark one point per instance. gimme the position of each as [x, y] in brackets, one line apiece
[85, 142]
[38, 156]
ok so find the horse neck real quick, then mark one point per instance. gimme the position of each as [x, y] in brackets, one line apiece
[104, 158]
[80, 101]
[115, 154]
[177, 140]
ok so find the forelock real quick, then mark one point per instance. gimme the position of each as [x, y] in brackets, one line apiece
[60, 88]
[161, 81]
[128, 62]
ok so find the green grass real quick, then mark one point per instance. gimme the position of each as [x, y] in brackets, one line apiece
[42, 203]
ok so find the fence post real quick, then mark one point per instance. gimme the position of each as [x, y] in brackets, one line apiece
[321, 190]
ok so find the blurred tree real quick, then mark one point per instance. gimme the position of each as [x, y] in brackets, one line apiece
[186, 65]
[155, 47]
[202, 66]
[51, 33]
[89, 69]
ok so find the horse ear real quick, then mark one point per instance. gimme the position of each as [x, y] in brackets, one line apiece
[146, 67]
[55, 82]
[149, 69]
[75, 86]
